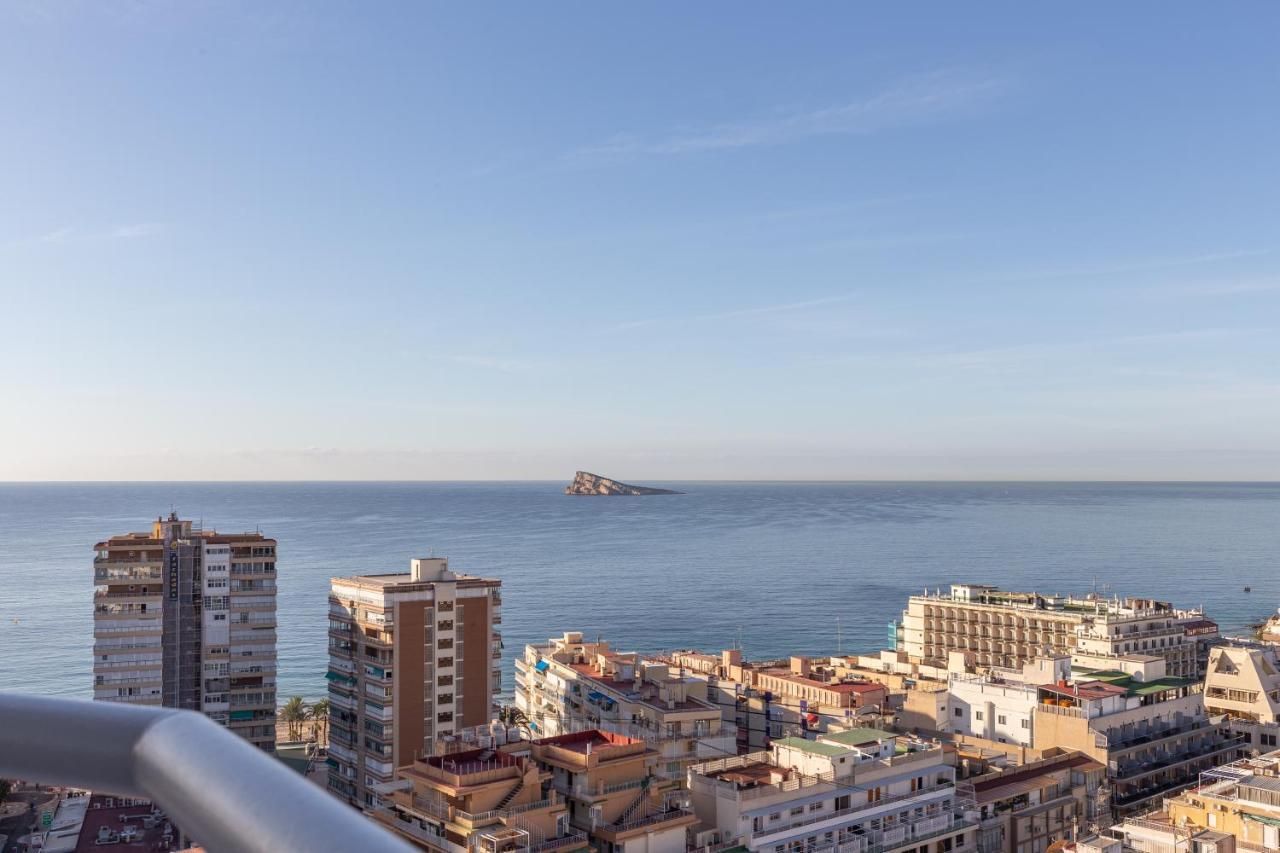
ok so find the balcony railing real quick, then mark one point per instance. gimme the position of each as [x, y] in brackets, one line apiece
[176, 759]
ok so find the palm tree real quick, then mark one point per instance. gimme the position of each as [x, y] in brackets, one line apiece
[512, 717]
[293, 713]
[320, 718]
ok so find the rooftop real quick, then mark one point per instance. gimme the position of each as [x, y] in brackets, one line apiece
[813, 746]
[845, 687]
[127, 825]
[997, 786]
[471, 761]
[628, 688]
[859, 737]
[592, 740]
[1085, 690]
[752, 775]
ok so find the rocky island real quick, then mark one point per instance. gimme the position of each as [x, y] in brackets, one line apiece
[585, 483]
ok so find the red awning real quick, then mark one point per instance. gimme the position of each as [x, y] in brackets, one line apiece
[812, 718]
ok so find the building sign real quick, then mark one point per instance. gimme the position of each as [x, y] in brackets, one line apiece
[173, 574]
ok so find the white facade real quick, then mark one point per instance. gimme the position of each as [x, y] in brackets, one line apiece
[845, 799]
[1001, 711]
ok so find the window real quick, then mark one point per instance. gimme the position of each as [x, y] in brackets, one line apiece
[959, 713]
[1026, 724]
[1001, 719]
[815, 807]
[775, 816]
[799, 810]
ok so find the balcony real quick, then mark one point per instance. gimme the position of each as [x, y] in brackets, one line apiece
[175, 758]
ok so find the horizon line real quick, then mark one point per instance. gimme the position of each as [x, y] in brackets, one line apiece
[783, 480]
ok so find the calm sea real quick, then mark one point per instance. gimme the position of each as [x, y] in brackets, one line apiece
[779, 565]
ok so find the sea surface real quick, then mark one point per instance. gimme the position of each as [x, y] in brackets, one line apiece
[781, 567]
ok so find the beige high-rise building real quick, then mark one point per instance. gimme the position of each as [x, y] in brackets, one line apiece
[414, 658]
[186, 618]
[1008, 629]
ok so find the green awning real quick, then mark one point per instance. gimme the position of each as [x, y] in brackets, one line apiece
[337, 676]
[242, 715]
[1269, 821]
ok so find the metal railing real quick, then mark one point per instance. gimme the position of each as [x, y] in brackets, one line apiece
[215, 786]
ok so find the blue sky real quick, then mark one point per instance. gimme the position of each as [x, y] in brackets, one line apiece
[722, 240]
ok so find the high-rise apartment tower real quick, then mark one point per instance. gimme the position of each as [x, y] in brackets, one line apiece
[414, 658]
[186, 618]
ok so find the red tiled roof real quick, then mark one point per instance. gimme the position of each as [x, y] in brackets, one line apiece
[1086, 690]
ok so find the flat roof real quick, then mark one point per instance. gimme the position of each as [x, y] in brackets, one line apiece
[806, 745]
[993, 788]
[1086, 690]
[858, 737]
[833, 686]
[594, 738]
[395, 579]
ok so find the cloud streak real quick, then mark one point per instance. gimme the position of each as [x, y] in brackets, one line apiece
[914, 100]
[739, 313]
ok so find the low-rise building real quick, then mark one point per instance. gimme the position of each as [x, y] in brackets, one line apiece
[1241, 798]
[613, 796]
[1150, 730]
[764, 700]
[857, 791]
[568, 685]
[1025, 809]
[480, 800]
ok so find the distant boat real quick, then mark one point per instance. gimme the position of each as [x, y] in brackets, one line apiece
[1248, 589]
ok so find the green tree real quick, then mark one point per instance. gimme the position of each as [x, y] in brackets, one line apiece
[512, 717]
[5, 787]
[294, 713]
[320, 718]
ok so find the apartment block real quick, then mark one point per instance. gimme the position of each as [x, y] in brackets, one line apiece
[1025, 809]
[614, 797]
[186, 618]
[996, 628]
[476, 801]
[763, 700]
[414, 658]
[859, 791]
[1243, 682]
[1240, 799]
[1149, 729]
[568, 685]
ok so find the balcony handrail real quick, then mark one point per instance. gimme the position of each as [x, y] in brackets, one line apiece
[215, 786]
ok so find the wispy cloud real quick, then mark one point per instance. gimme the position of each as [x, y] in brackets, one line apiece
[1149, 265]
[915, 100]
[488, 362]
[1022, 357]
[67, 234]
[135, 230]
[1231, 288]
[778, 309]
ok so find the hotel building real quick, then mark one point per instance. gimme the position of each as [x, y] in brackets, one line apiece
[414, 658]
[1006, 629]
[186, 618]
[567, 685]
